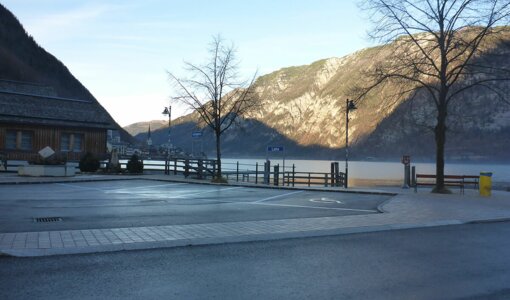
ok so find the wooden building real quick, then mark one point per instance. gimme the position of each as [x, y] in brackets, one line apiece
[33, 117]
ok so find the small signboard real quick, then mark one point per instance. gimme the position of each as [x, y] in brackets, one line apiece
[196, 134]
[46, 152]
[275, 149]
[406, 159]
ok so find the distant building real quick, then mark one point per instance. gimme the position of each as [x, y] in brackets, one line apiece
[33, 117]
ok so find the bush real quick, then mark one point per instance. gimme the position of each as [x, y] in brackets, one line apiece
[89, 163]
[217, 179]
[135, 165]
[55, 159]
[113, 169]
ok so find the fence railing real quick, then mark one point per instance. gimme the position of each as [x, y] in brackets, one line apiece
[278, 175]
[258, 173]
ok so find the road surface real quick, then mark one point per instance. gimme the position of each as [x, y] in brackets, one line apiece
[449, 262]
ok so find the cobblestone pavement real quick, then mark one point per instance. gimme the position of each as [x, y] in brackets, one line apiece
[405, 210]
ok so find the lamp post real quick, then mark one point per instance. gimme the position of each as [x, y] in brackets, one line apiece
[168, 111]
[349, 105]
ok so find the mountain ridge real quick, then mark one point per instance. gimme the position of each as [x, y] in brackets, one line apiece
[306, 105]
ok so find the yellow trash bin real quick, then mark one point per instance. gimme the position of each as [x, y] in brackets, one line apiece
[485, 183]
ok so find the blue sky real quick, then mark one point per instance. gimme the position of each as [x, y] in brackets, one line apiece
[121, 50]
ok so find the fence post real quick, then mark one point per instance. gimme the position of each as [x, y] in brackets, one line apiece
[237, 171]
[175, 166]
[337, 174]
[326, 180]
[256, 172]
[267, 171]
[309, 179]
[186, 168]
[413, 175]
[200, 168]
[276, 177]
[293, 174]
[333, 174]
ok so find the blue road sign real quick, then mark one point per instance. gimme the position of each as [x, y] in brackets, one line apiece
[275, 149]
[196, 134]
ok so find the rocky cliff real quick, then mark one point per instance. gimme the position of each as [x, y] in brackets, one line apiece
[303, 108]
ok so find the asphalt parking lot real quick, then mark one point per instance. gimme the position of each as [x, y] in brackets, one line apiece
[111, 204]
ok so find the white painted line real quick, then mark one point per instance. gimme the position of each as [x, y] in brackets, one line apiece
[277, 196]
[116, 189]
[325, 200]
[145, 186]
[205, 192]
[80, 187]
[314, 207]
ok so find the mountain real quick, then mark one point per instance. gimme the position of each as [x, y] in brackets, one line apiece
[142, 127]
[22, 59]
[303, 109]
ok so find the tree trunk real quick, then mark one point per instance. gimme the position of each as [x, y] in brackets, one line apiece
[218, 154]
[440, 135]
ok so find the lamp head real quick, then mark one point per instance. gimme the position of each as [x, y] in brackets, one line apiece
[351, 105]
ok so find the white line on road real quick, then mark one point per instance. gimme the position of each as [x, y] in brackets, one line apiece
[116, 189]
[205, 192]
[277, 196]
[146, 186]
[315, 207]
[80, 187]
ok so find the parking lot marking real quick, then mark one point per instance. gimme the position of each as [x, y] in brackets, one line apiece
[325, 200]
[80, 187]
[314, 207]
[106, 190]
[146, 186]
[277, 196]
[204, 192]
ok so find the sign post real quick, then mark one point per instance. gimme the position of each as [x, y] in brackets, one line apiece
[276, 149]
[196, 135]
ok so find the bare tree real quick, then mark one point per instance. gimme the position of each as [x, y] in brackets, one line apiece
[215, 92]
[441, 49]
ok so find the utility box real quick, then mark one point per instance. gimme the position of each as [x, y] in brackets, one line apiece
[485, 184]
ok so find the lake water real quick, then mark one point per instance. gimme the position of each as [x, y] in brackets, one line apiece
[376, 170]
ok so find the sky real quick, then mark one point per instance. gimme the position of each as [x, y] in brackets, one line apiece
[121, 50]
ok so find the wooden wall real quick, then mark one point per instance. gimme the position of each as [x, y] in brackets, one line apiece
[94, 140]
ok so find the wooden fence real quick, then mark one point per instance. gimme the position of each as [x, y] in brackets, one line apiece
[238, 172]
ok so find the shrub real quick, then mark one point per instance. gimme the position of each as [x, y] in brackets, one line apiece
[217, 179]
[113, 169]
[135, 165]
[89, 163]
[55, 159]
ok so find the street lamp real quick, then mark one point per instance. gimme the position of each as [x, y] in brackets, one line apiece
[168, 111]
[349, 105]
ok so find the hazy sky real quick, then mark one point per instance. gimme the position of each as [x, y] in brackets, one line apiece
[121, 49]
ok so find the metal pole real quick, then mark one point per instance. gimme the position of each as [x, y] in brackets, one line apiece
[346, 142]
[169, 126]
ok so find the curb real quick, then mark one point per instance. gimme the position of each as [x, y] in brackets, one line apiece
[235, 239]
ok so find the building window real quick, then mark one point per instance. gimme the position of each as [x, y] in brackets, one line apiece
[19, 140]
[71, 142]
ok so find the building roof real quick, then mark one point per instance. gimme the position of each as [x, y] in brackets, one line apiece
[24, 103]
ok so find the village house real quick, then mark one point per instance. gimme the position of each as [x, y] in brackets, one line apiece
[32, 117]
